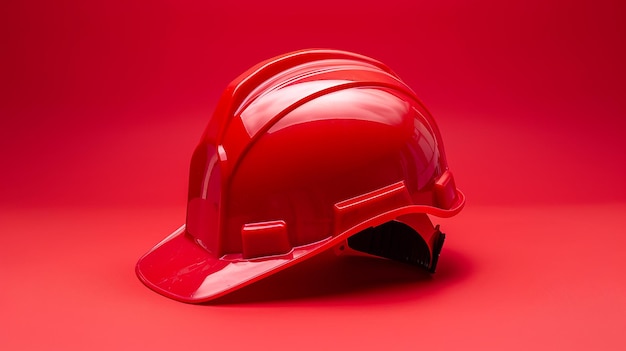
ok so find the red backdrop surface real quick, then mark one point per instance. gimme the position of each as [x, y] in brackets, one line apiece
[101, 104]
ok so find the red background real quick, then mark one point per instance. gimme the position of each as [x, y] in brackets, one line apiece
[101, 104]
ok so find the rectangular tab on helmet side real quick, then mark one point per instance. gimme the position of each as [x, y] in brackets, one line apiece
[264, 239]
[445, 191]
[359, 209]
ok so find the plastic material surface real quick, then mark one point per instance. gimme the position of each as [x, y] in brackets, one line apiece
[302, 152]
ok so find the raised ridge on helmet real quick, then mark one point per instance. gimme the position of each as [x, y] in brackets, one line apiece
[247, 81]
[287, 91]
[241, 86]
[295, 68]
[314, 70]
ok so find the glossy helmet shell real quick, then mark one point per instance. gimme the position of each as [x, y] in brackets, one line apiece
[307, 151]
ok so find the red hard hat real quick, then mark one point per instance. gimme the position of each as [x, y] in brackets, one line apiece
[307, 151]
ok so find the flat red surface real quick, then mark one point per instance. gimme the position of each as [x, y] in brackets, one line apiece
[101, 105]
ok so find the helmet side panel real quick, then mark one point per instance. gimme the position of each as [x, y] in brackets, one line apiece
[330, 149]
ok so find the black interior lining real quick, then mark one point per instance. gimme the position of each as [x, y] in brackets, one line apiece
[394, 240]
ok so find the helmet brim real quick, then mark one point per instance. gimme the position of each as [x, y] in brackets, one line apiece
[179, 268]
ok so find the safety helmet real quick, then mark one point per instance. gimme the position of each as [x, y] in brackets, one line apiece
[308, 151]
